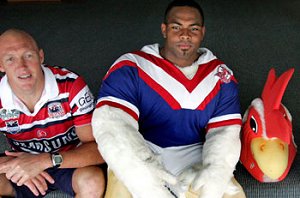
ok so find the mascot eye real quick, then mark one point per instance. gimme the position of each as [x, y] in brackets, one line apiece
[253, 124]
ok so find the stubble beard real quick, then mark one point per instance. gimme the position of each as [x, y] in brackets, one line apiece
[184, 53]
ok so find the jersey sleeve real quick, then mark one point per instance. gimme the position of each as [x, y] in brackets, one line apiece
[227, 111]
[120, 88]
[81, 102]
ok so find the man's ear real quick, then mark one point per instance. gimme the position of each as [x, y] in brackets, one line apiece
[203, 30]
[163, 28]
[42, 55]
[2, 68]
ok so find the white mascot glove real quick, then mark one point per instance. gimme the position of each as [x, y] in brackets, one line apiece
[127, 155]
[220, 154]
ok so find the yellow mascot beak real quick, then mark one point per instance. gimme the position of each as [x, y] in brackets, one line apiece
[271, 156]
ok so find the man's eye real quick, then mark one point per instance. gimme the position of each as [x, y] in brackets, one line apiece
[175, 28]
[195, 29]
[29, 55]
[10, 59]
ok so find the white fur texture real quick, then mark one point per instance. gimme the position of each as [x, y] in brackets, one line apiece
[127, 155]
[221, 153]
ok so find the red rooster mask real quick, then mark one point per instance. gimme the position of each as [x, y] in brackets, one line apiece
[268, 147]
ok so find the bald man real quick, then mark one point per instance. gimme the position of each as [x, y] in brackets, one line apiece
[45, 114]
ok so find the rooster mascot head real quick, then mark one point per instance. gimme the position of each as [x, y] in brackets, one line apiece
[268, 147]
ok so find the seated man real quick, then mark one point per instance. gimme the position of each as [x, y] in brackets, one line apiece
[168, 117]
[45, 114]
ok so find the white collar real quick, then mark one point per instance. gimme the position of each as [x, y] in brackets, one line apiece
[11, 101]
[205, 57]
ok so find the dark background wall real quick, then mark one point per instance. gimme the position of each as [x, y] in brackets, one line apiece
[250, 36]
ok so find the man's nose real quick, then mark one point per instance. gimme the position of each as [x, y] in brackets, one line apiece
[185, 34]
[22, 62]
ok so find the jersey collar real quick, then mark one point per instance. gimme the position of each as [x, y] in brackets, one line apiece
[205, 54]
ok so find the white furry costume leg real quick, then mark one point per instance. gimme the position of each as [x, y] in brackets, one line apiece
[221, 153]
[127, 155]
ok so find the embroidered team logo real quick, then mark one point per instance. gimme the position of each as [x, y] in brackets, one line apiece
[7, 114]
[224, 74]
[12, 126]
[55, 110]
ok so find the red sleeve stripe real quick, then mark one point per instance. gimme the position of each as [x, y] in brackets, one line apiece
[119, 106]
[119, 65]
[224, 123]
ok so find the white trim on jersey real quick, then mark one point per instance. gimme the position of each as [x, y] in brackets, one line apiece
[41, 122]
[225, 117]
[186, 99]
[65, 76]
[51, 87]
[206, 54]
[122, 102]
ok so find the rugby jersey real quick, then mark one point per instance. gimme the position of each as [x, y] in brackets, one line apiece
[66, 102]
[172, 110]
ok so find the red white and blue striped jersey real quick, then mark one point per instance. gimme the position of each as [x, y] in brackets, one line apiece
[66, 102]
[171, 109]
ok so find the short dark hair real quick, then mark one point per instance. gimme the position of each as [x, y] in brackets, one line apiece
[190, 3]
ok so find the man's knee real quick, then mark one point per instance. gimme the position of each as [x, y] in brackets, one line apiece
[89, 181]
[6, 188]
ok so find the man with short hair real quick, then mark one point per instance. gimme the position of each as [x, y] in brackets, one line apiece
[45, 114]
[167, 119]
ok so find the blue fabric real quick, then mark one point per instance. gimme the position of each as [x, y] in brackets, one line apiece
[159, 122]
[63, 182]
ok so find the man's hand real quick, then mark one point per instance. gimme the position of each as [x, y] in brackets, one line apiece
[4, 159]
[24, 166]
[38, 185]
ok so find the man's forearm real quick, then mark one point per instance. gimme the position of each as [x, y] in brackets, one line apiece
[84, 155]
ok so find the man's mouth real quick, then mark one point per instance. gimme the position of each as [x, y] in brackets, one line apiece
[184, 46]
[25, 76]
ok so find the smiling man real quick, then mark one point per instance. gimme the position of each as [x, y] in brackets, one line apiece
[168, 118]
[47, 125]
